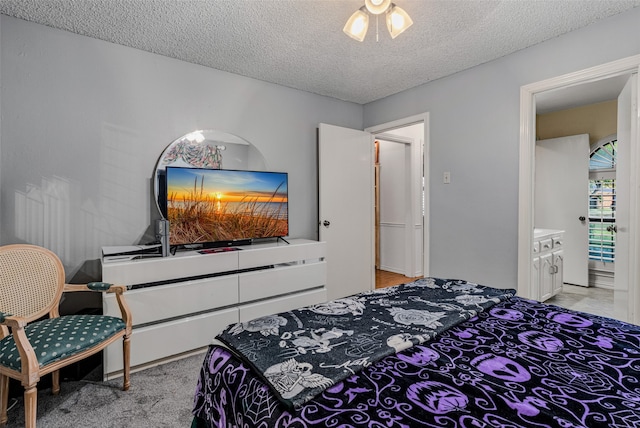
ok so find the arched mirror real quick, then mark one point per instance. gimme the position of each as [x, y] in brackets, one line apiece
[205, 149]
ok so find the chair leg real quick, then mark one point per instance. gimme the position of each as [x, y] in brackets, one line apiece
[30, 406]
[4, 399]
[126, 343]
[55, 382]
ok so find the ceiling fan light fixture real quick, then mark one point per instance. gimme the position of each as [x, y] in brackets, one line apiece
[357, 25]
[398, 20]
[376, 7]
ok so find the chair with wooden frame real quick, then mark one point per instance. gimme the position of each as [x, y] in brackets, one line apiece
[34, 339]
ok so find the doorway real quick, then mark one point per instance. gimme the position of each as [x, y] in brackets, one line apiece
[345, 212]
[394, 219]
[401, 232]
[568, 197]
[529, 94]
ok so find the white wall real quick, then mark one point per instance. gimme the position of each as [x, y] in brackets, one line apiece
[475, 135]
[84, 122]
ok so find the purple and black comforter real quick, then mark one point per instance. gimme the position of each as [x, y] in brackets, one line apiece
[517, 364]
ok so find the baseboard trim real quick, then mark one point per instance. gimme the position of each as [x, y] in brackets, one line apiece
[601, 279]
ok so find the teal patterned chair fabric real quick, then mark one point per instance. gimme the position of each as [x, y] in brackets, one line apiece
[57, 338]
[34, 339]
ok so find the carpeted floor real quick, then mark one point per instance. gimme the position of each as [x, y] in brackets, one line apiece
[160, 396]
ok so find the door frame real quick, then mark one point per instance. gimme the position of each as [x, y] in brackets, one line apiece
[426, 150]
[527, 165]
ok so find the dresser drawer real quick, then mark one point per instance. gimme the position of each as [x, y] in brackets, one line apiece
[281, 304]
[157, 303]
[164, 269]
[273, 282]
[159, 341]
[264, 256]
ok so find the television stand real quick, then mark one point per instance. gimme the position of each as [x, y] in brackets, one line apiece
[179, 303]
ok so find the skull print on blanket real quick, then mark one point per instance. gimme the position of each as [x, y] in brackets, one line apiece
[301, 353]
[519, 364]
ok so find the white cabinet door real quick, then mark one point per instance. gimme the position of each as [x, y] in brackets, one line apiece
[535, 272]
[346, 210]
[558, 266]
[546, 277]
[562, 197]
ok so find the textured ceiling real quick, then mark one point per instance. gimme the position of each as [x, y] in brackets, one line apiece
[300, 43]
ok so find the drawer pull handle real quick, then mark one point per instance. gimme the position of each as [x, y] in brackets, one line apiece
[546, 246]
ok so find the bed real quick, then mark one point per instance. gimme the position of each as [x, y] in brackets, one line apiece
[486, 359]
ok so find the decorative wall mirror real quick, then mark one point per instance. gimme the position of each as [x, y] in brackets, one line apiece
[205, 149]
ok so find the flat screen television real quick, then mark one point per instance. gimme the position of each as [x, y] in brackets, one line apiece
[217, 207]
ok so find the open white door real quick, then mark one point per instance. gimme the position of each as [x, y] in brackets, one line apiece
[346, 212]
[562, 199]
[627, 107]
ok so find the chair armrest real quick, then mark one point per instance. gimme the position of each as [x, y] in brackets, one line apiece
[12, 321]
[99, 286]
[7, 320]
[27, 356]
[95, 286]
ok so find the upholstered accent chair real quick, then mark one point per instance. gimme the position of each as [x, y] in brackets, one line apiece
[34, 339]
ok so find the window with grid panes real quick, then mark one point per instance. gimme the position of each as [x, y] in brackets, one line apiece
[602, 201]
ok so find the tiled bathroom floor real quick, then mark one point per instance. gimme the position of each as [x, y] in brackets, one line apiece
[597, 301]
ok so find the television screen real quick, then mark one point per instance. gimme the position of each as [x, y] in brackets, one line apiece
[222, 206]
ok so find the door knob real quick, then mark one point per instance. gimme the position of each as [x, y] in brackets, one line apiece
[582, 218]
[326, 223]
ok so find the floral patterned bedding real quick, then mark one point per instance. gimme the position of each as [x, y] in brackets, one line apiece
[518, 364]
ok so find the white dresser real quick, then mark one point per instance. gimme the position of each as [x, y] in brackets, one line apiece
[548, 259]
[179, 303]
